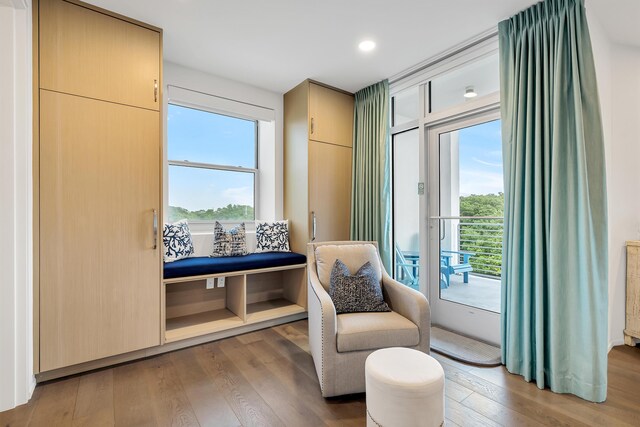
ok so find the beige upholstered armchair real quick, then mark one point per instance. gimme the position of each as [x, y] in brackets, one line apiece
[341, 343]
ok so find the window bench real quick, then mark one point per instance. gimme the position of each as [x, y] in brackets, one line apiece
[260, 290]
[206, 266]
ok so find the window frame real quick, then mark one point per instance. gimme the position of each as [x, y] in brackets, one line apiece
[213, 166]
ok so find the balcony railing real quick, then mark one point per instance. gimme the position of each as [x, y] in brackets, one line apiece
[482, 236]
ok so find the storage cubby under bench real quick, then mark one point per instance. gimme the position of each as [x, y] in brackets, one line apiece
[259, 287]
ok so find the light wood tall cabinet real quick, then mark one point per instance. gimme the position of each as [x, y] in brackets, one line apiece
[318, 133]
[98, 184]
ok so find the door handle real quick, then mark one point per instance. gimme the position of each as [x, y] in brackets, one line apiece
[313, 226]
[312, 126]
[155, 229]
[155, 91]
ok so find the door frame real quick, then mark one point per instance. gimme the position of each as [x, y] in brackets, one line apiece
[394, 195]
[468, 320]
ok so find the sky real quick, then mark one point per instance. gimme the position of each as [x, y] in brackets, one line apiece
[481, 159]
[199, 136]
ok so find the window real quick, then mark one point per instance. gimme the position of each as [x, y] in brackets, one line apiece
[405, 106]
[406, 206]
[477, 78]
[213, 165]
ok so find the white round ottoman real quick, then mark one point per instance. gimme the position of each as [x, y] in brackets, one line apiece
[404, 387]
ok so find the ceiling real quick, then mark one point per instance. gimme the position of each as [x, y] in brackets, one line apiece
[276, 44]
[619, 18]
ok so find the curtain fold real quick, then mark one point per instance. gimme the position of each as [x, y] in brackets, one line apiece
[371, 194]
[554, 283]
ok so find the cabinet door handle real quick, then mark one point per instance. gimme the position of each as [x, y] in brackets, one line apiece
[312, 126]
[155, 229]
[313, 226]
[155, 91]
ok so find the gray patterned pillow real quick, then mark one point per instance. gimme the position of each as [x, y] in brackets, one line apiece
[177, 242]
[272, 236]
[358, 293]
[229, 242]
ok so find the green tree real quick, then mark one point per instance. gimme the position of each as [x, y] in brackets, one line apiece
[229, 212]
[482, 205]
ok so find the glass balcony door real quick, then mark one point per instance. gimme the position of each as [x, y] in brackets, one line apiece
[464, 232]
[406, 207]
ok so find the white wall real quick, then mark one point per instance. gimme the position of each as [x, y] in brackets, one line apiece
[16, 373]
[618, 72]
[270, 205]
[623, 177]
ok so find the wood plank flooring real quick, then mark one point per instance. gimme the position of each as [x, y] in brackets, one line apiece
[267, 378]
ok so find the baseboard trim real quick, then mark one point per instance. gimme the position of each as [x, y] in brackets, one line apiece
[153, 351]
[614, 343]
[31, 387]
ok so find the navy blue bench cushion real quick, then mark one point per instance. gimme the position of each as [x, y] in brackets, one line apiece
[198, 266]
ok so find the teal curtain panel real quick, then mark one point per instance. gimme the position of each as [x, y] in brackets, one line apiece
[554, 282]
[371, 192]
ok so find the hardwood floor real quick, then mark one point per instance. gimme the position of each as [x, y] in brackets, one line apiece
[267, 378]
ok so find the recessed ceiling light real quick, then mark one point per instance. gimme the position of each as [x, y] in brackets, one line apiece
[367, 45]
[469, 92]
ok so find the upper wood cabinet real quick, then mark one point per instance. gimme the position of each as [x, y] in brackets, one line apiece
[88, 53]
[330, 115]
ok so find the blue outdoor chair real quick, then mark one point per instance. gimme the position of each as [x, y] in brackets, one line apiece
[447, 269]
[407, 270]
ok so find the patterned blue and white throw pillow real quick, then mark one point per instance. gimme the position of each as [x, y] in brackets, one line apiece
[357, 293]
[272, 236]
[229, 242]
[177, 241]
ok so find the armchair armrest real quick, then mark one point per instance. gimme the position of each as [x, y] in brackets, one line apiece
[322, 332]
[465, 255]
[409, 303]
[321, 299]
